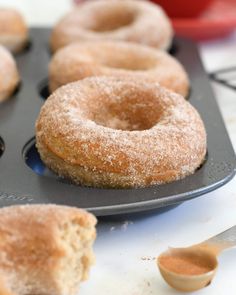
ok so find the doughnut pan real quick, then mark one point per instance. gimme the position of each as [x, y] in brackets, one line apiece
[25, 180]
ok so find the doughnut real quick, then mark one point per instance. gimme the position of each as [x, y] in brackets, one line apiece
[136, 21]
[9, 76]
[119, 132]
[13, 30]
[79, 60]
[45, 249]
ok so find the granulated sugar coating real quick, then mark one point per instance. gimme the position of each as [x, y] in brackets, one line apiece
[9, 76]
[132, 21]
[114, 132]
[108, 58]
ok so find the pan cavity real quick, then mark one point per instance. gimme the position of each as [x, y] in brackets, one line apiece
[2, 146]
[43, 89]
[32, 159]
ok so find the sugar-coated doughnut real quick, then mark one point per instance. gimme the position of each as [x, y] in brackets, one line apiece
[13, 30]
[131, 20]
[119, 132]
[9, 75]
[44, 249]
[79, 60]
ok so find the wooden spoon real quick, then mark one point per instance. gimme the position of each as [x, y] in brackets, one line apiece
[192, 268]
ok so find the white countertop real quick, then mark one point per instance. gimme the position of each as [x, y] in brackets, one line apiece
[125, 247]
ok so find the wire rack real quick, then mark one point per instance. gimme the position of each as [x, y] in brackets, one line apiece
[226, 77]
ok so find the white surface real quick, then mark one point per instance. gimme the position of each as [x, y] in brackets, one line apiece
[41, 12]
[125, 247]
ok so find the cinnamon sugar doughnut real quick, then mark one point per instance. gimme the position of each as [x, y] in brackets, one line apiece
[13, 30]
[45, 249]
[79, 60]
[9, 76]
[114, 132]
[136, 21]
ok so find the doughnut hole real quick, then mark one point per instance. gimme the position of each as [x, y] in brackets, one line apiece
[108, 19]
[124, 109]
[126, 62]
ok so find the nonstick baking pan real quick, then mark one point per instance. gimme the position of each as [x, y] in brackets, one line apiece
[25, 180]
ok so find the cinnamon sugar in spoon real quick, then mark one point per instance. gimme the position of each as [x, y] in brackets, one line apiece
[192, 268]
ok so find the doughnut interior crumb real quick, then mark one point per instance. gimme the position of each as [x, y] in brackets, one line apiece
[75, 264]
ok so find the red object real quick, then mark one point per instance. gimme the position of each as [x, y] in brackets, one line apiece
[183, 8]
[217, 21]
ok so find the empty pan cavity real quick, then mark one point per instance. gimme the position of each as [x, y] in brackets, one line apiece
[34, 162]
[2, 146]
[43, 89]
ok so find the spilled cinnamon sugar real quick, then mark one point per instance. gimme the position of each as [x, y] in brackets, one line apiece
[185, 264]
